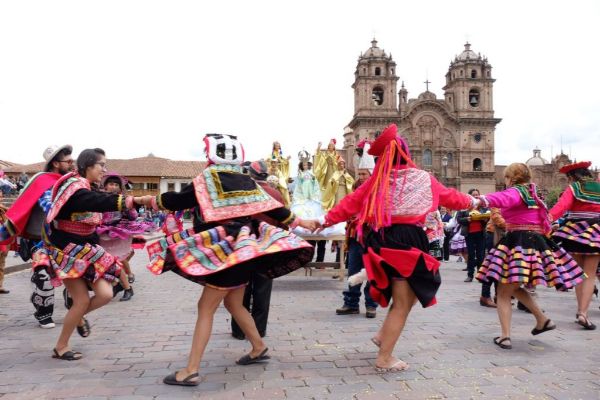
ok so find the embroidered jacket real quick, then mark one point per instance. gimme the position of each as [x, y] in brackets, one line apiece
[579, 197]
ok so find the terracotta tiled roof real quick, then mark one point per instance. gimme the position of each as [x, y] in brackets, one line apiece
[7, 164]
[143, 166]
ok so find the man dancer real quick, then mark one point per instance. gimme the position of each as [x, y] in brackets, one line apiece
[25, 218]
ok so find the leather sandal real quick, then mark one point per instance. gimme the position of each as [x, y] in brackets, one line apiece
[85, 330]
[546, 327]
[500, 343]
[68, 355]
[583, 321]
[248, 359]
[171, 379]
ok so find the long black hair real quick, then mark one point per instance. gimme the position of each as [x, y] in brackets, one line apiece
[87, 158]
[580, 174]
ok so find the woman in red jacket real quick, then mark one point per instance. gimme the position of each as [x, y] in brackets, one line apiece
[391, 208]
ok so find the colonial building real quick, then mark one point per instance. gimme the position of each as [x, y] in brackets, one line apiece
[544, 173]
[452, 137]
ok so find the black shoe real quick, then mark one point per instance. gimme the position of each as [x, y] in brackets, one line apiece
[469, 279]
[345, 310]
[127, 295]
[371, 312]
[117, 288]
[4, 291]
[67, 299]
[238, 336]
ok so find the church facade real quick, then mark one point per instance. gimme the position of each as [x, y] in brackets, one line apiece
[453, 137]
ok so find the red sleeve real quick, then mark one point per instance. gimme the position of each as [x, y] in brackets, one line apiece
[448, 197]
[349, 206]
[564, 204]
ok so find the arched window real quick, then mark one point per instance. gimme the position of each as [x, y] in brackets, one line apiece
[427, 158]
[474, 97]
[473, 74]
[377, 95]
[461, 72]
[377, 71]
[450, 158]
[477, 165]
[364, 70]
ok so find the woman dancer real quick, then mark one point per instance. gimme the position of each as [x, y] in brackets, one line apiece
[226, 246]
[391, 207]
[117, 230]
[525, 255]
[580, 235]
[72, 253]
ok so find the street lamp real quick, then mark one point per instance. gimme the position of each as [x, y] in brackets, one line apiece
[445, 170]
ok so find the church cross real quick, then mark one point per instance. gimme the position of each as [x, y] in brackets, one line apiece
[427, 82]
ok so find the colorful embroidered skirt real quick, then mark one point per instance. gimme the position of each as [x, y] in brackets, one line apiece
[90, 262]
[400, 252]
[580, 236]
[214, 258]
[530, 258]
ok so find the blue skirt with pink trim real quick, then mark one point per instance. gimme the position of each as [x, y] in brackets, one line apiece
[529, 257]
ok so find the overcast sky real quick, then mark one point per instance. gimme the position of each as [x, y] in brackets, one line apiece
[135, 77]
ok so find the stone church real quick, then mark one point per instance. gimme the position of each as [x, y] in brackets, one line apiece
[452, 137]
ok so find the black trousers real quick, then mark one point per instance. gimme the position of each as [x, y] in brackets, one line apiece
[320, 245]
[446, 246]
[257, 300]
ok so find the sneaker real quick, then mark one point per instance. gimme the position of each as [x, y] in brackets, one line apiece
[459, 259]
[47, 323]
[127, 295]
[345, 310]
[371, 312]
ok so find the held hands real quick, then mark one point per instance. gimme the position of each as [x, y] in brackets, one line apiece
[310, 224]
[143, 200]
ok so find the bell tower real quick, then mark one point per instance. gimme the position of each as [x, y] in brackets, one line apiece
[469, 95]
[469, 85]
[375, 83]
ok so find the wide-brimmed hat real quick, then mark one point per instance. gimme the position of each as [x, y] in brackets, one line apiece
[579, 165]
[52, 151]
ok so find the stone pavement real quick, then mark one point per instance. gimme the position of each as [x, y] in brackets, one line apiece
[315, 354]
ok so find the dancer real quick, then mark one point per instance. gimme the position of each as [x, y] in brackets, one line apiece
[4, 248]
[525, 255]
[117, 230]
[71, 251]
[25, 219]
[226, 246]
[580, 234]
[392, 206]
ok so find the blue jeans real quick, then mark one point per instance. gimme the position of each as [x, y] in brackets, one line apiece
[475, 249]
[355, 264]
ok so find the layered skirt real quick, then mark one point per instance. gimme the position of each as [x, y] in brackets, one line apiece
[226, 258]
[90, 262]
[401, 252]
[580, 236]
[529, 257]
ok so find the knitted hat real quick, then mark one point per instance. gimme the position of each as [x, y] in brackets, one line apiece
[223, 149]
